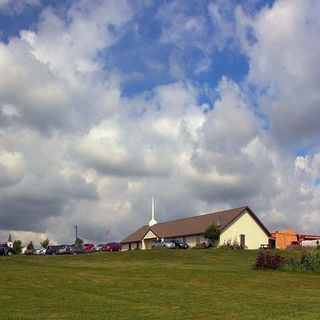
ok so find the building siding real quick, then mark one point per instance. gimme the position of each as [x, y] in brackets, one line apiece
[134, 246]
[284, 238]
[254, 234]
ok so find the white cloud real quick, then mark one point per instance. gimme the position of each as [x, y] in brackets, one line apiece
[284, 65]
[80, 39]
[64, 87]
[12, 167]
[17, 6]
[232, 123]
[82, 149]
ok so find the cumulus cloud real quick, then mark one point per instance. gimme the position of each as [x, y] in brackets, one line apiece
[12, 167]
[283, 61]
[76, 149]
[17, 6]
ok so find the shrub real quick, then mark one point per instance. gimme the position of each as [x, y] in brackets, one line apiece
[201, 245]
[232, 246]
[269, 261]
[310, 261]
[44, 244]
[30, 246]
[17, 246]
[212, 233]
[292, 264]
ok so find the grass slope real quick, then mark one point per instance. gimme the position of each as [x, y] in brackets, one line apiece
[163, 284]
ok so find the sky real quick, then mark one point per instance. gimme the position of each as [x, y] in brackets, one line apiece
[205, 105]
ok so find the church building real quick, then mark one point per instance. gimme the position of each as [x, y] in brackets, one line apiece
[239, 225]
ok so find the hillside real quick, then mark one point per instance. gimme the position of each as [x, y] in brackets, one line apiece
[192, 284]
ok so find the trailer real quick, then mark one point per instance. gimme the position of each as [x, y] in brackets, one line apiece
[306, 240]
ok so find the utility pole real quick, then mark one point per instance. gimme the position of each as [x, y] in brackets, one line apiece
[76, 227]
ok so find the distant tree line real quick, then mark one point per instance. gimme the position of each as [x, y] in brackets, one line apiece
[17, 245]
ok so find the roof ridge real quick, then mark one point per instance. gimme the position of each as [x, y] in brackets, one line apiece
[204, 214]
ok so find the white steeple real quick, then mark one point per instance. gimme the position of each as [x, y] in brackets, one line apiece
[152, 222]
[9, 242]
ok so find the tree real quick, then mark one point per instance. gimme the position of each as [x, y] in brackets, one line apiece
[30, 246]
[45, 243]
[212, 233]
[17, 246]
[78, 242]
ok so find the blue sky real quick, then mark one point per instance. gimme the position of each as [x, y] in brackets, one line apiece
[206, 105]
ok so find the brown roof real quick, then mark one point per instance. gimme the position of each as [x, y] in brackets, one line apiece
[193, 225]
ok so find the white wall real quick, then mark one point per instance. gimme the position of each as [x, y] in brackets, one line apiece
[125, 246]
[254, 234]
[192, 240]
[150, 235]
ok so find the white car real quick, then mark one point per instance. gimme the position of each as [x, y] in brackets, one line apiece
[98, 247]
[40, 251]
[161, 243]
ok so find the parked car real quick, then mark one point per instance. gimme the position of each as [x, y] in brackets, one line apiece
[65, 250]
[30, 252]
[40, 251]
[99, 246]
[54, 249]
[165, 244]
[88, 247]
[78, 250]
[180, 244]
[5, 250]
[111, 246]
[265, 247]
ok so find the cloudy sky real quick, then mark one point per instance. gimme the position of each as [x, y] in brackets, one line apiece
[206, 105]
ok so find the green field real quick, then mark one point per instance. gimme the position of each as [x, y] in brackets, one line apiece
[163, 284]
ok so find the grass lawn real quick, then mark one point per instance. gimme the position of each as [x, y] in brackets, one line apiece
[160, 284]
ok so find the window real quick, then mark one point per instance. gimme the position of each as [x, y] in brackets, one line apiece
[198, 239]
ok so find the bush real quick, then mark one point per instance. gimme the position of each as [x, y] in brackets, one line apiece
[212, 233]
[309, 261]
[269, 261]
[17, 246]
[30, 246]
[44, 244]
[201, 245]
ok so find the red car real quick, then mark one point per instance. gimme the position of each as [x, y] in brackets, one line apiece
[88, 247]
[111, 246]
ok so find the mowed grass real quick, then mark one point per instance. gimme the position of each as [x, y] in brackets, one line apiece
[160, 284]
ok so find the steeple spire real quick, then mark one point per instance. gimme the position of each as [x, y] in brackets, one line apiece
[152, 222]
[9, 242]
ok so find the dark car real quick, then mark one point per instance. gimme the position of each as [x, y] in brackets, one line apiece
[52, 250]
[29, 252]
[180, 244]
[5, 250]
[111, 246]
[65, 250]
[78, 250]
